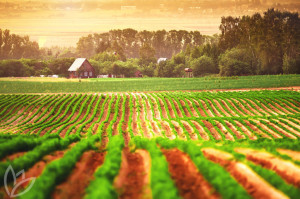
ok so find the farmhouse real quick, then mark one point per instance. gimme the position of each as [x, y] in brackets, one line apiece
[82, 68]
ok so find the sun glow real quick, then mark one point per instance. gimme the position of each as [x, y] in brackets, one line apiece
[42, 40]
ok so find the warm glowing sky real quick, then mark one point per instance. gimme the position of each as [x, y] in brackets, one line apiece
[52, 22]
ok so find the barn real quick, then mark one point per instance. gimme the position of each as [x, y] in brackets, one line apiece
[82, 68]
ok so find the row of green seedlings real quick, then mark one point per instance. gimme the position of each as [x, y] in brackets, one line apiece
[221, 181]
[29, 117]
[57, 171]
[39, 147]
[37, 109]
[14, 111]
[9, 106]
[29, 109]
[152, 105]
[55, 119]
[157, 102]
[268, 175]
[47, 113]
[91, 130]
[63, 124]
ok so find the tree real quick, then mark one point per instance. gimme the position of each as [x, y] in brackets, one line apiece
[236, 62]
[202, 65]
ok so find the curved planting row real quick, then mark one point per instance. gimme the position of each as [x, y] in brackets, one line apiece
[183, 115]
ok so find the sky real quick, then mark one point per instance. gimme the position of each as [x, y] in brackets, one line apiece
[61, 23]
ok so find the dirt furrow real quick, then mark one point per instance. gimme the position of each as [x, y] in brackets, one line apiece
[216, 112]
[190, 130]
[238, 134]
[210, 114]
[252, 109]
[171, 111]
[242, 107]
[273, 133]
[76, 183]
[145, 129]
[252, 182]
[246, 131]
[177, 108]
[227, 134]
[295, 155]
[212, 130]
[286, 169]
[179, 130]
[229, 109]
[202, 113]
[183, 105]
[201, 131]
[115, 125]
[168, 131]
[221, 108]
[134, 116]
[190, 183]
[194, 112]
[133, 180]
[257, 130]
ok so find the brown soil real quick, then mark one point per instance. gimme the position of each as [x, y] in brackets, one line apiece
[104, 135]
[97, 114]
[257, 107]
[177, 108]
[168, 131]
[292, 123]
[148, 109]
[231, 103]
[227, 134]
[243, 107]
[213, 131]
[252, 182]
[267, 109]
[194, 112]
[286, 169]
[115, 125]
[156, 129]
[216, 112]
[221, 108]
[164, 112]
[281, 130]
[156, 111]
[64, 131]
[186, 112]
[38, 168]
[238, 134]
[246, 131]
[76, 183]
[295, 155]
[125, 123]
[201, 130]
[254, 128]
[273, 133]
[130, 182]
[228, 108]
[190, 183]
[282, 108]
[190, 130]
[288, 127]
[202, 113]
[134, 117]
[179, 130]
[145, 128]
[171, 111]
[252, 109]
[210, 114]
[13, 156]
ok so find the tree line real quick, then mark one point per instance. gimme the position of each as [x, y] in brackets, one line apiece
[267, 43]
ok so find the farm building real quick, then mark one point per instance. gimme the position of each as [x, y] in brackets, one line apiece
[138, 74]
[82, 68]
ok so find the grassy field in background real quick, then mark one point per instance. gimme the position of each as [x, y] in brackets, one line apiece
[46, 85]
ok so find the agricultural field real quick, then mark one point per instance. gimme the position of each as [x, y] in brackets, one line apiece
[63, 85]
[237, 144]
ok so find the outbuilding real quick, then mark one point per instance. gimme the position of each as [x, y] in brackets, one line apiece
[81, 68]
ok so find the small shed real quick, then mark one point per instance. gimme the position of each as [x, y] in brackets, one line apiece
[189, 72]
[138, 74]
[82, 68]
